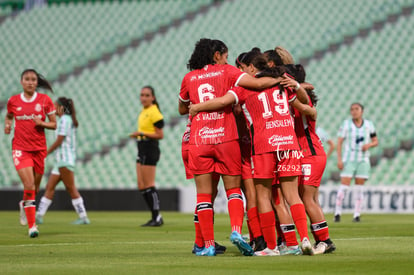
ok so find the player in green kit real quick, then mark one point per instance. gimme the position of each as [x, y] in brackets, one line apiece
[65, 154]
[355, 137]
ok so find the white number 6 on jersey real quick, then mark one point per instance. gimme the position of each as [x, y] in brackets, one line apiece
[205, 92]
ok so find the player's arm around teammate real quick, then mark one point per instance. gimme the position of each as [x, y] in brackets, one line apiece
[149, 132]
[29, 110]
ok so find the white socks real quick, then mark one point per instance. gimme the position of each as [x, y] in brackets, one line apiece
[359, 199]
[79, 207]
[43, 206]
[340, 198]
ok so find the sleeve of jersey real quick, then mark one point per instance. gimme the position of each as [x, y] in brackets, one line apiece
[239, 95]
[63, 127]
[342, 130]
[291, 95]
[49, 106]
[157, 116]
[184, 95]
[9, 106]
[373, 132]
[235, 75]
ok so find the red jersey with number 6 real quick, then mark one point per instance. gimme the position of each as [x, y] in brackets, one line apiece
[28, 136]
[271, 124]
[204, 84]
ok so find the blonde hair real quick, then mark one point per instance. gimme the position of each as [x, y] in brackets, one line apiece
[284, 55]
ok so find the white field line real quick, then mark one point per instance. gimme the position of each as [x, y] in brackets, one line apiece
[174, 242]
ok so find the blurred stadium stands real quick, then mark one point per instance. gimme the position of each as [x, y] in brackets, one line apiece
[100, 53]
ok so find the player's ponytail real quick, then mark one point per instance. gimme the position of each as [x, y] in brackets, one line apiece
[42, 82]
[68, 108]
[71, 106]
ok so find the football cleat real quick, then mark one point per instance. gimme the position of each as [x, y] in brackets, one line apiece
[320, 248]
[241, 244]
[84, 220]
[327, 247]
[306, 247]
[337, 218]
[267, 252]
[330, 248]
[220, 249]
[23, 219]
[356, 219]
[197, 249]
[154, 223]
[210, 251]
[290, 250]
[258, 243]
[33, 232]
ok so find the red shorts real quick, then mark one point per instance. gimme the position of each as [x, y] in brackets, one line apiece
[184, 155]
[246, 168]
[35, 159]
[278, 164]
[221, 158]
[312, 170]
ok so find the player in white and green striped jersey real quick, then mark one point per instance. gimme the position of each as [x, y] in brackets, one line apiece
[355, 137]
[65, 156]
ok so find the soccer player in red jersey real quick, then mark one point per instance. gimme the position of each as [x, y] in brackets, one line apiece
[199, 241]
[213, 141]
[29, 110]
[314, 160]
[257, 241]
[274, 146]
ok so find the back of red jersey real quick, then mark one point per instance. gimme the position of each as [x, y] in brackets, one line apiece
[271, 124]
[28, 136]
[204, 84]
[305, 129]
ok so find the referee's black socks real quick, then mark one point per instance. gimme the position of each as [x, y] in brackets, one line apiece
[151, 198]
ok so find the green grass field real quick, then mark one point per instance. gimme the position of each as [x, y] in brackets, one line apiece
[114, 243]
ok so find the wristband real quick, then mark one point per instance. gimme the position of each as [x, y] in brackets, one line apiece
[297, 86]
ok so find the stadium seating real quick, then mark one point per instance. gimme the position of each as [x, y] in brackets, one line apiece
[69, 35]
[377, 68]
[373, 71]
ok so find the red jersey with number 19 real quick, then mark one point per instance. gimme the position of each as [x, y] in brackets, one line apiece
[271, 124]
[28, 136]
[205, 84]
[305, 129]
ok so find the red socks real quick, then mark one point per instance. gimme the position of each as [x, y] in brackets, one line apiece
[253, 221]
[299, 217]
[320, 231]
[205, 218]
[236, 209]
[198, 235]
[267, 223]
[30, 206]
[290, 234]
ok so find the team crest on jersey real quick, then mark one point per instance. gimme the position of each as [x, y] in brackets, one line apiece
[19, 108]
[38, 107]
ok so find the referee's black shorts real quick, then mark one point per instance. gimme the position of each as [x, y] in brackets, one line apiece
[148, 152]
